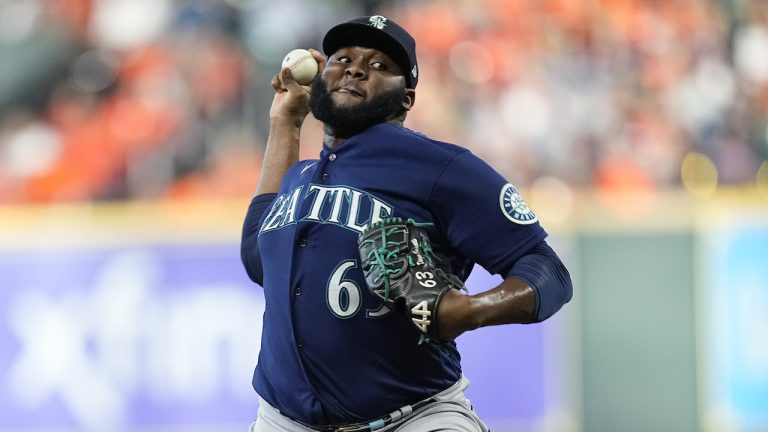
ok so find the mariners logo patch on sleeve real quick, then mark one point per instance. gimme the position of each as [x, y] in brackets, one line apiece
[513, 206]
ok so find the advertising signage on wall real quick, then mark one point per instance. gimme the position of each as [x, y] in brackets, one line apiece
[166, 336]
[735, 325]
[91, 339]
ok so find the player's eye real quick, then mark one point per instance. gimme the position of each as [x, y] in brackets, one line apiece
[379, 65]
[343, 59]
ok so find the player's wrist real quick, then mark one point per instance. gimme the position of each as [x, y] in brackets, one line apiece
[287, 120]
[456, 317]
[289, 110]
[287, 123]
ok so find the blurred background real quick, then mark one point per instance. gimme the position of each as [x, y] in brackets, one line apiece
[131, 134]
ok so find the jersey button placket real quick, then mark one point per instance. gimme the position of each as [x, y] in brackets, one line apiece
[331, 158]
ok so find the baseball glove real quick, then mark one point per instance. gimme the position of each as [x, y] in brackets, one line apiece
[401, 268]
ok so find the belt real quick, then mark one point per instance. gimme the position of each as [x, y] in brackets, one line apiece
[377, 424]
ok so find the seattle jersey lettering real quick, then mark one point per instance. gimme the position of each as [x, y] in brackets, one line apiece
[344, 206]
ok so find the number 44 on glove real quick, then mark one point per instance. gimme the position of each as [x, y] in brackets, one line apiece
[401, 269]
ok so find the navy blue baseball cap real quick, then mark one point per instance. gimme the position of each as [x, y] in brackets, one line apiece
[379, 33]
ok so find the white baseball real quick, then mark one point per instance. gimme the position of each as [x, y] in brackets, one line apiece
[303, 66]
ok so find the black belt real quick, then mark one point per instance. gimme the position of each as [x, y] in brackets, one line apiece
[376, 424]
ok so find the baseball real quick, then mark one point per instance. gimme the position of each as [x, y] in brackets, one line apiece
[303, 66]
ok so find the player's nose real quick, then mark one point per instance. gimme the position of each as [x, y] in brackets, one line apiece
[355, 70]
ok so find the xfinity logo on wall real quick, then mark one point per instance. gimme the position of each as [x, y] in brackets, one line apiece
[125, 334]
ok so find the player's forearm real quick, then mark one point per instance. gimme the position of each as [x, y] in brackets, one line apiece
[537, 286]
[281, 153]
[512, 302]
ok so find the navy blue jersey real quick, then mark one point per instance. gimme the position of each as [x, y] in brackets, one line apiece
[330, 353]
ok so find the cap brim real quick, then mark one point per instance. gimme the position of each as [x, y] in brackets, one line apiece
[358, 34]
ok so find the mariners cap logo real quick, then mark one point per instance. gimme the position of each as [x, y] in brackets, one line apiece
[378, 21]
[414, 71]
[513, 206]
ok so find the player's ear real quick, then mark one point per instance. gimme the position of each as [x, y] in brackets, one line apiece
[409, 99]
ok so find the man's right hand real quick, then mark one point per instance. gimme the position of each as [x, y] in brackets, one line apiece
[291, 101]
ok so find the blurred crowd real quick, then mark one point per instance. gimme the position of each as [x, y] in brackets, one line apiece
[168, 99]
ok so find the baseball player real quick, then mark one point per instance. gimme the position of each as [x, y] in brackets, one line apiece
[362, 253]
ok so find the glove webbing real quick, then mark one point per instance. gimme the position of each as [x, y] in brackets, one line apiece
[382, 257]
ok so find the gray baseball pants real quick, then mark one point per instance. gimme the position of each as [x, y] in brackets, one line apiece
[451, 411]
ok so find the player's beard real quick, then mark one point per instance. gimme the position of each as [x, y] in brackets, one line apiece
[344, 122]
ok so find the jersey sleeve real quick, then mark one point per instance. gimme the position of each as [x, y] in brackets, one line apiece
[482, 215]
[249, 248]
